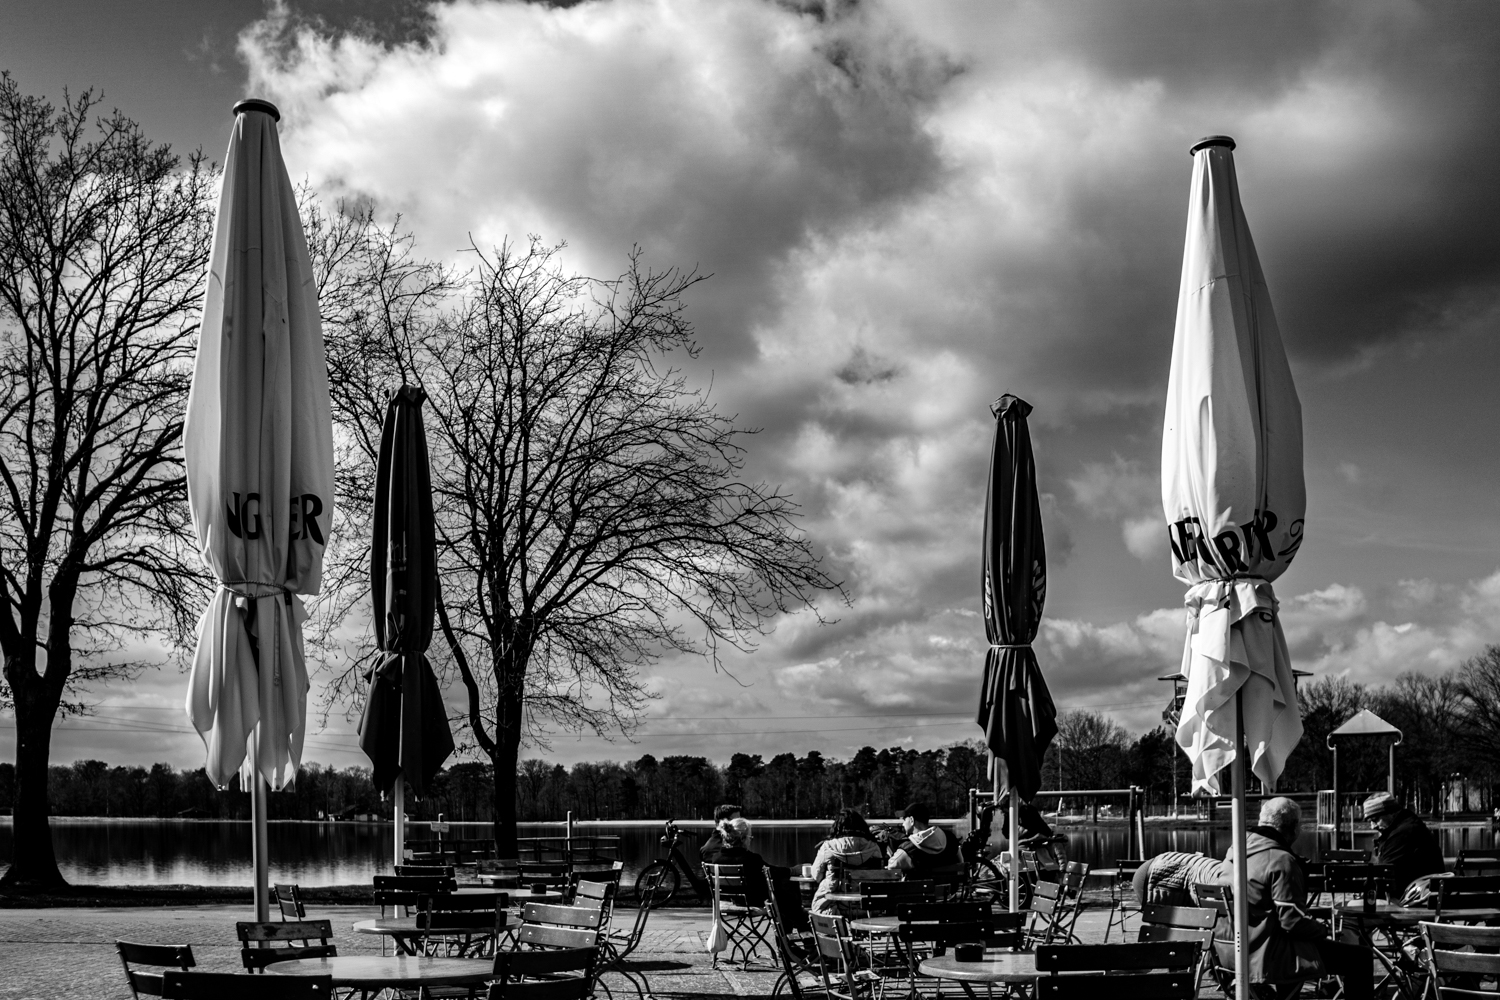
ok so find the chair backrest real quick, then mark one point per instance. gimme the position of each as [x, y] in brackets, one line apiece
[235, 986]
[425, 871]
[1477, 863]
[1352, 877]
[450, 914]
[589, 893]
[1442, 944]
[729, 883]
[1467, 892]
[547, 874]
[943, 925]
[552, 967]
[885, 897]
[1344, 856]
[859, 875]
[1150, 986]
[1117, 957]
[545, 925]
[254, 937]
[837, 960]
[1220, 899]
[784, 905]
[289, 900]
[158, 956]
[1177, 923]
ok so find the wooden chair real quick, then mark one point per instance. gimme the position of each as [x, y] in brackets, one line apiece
[460, 926]
[403, 890]
[1348, 879]
[600, 894]
[256, 937]
[858, 876]
[1181, 923]
[1468, 892]
[550, 926]
[1122, 901]
[1055, 906]
[843, 975]
[931, 928]
[549, 876]
[1179, 982]
[792, 930]
[159, 956]
[289, 901]
[425, 871]
[745, 923]
[560, 974]
[610, 875]
[234, 986]
[1445, 961]
[1477, 863]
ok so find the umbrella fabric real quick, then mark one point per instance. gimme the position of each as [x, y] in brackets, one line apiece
[1015, 707]
[258, 443]
[1232, 485]
[404, 730]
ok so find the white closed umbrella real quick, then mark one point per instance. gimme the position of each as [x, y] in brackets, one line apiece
[258, 441]
[1234, 499]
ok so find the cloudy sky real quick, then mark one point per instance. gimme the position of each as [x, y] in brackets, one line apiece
[910, 209]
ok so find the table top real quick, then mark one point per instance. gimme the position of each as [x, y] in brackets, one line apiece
[875, 925]
[515, 895]
[995, 967]
[844, 897]
[377, 972]
[805, 879]
[389, 926]
[1394, 913]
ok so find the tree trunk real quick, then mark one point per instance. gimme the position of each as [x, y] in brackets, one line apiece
[33, 862]
[505, 758]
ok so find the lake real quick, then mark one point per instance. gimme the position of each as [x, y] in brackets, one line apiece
[217, 853]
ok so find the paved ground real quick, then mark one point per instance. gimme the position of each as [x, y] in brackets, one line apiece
[68, 953]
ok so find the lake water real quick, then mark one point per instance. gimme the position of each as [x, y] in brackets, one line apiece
[209, 852]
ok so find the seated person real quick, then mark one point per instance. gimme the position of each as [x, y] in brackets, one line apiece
[1286, 945]
[1404, 843]
[712, 845]
[1170, 876]
[734, 837]
[926, 846]
[849, 846]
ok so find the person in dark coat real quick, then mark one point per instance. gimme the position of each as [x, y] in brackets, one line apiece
[734, 835]
[1404, 843]
[713, 844]
[1286, 945]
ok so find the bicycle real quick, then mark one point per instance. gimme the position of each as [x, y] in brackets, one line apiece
[659, 881]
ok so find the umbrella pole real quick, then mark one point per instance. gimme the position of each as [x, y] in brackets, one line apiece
[259, 837]
[1237, 839]
[1015, 851]
[398, 796]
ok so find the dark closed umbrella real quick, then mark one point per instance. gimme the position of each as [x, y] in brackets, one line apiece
[1015, 707]
[404, 730]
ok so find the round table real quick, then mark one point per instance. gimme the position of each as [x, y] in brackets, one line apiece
[375, 972]
[846, 898]
[513, 895]
[995, 967]
[875, 925]
[1396, 915]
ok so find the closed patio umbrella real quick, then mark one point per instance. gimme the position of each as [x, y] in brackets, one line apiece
[1234, 499]
[258, 448]
[1015, 707]
[404, 730]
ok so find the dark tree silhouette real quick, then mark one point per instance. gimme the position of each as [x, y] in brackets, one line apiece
[103, 243]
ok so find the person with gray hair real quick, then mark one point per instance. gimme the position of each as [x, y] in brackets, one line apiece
[1286, 945]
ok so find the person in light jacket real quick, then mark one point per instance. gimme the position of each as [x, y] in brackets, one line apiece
[1286, 945]
[849, 846]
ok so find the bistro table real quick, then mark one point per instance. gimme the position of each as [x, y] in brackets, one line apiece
[875, 925]
[378, 972]
[996, 967]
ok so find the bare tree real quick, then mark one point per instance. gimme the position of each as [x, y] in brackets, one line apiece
[104, 239]
[591, 513]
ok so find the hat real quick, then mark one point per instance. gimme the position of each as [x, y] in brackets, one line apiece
[1378, 804]
[917, 811]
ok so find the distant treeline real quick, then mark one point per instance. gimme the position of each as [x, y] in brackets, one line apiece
[1446, 761]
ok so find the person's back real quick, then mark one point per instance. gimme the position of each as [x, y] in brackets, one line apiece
[713, 844]
[850, 847]
[1404, 842]
[735, 835]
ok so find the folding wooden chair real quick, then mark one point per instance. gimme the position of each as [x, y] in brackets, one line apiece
[1181, 923]
[843, 975]
[745, 924]
[461, 926]
[793, 931]
[547, 876]
[1446, 960]
[233, 986]
[881, 898]
[1344, 856]
[1349, 879]
[402, 891]
[157, 956]
[1477, 863]
[1179, 982]
[930, 928]
[258, 940]
[561, 974]
[289, 901]
[1466, 893]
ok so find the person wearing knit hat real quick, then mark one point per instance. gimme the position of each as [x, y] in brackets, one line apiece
[1403, 842]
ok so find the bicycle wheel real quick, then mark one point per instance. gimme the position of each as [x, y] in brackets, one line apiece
[656, 884]
[983, 881]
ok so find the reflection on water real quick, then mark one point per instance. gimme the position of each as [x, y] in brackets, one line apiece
[209, 852]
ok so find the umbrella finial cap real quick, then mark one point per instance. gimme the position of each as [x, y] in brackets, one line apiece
[1212, 140]
[256, 104]
[1013, 405]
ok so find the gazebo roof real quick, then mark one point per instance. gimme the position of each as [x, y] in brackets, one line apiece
[1366, 723]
